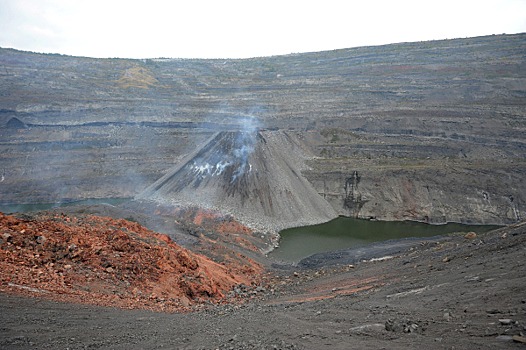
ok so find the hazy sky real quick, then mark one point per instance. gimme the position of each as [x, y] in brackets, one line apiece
[239, 29]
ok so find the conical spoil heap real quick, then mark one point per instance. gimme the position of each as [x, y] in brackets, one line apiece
[254, 176]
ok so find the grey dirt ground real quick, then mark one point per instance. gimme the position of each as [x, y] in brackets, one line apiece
[458, 293]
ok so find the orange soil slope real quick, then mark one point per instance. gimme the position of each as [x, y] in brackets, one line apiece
[103, 261]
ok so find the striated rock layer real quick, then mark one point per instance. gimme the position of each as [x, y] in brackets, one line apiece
[429, 131]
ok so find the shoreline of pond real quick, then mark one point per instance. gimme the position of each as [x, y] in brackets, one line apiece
[296, 244]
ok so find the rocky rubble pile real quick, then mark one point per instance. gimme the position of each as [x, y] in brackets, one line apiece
[104, 261]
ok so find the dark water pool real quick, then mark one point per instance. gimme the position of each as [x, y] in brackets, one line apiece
[341, 233]
[24, 208]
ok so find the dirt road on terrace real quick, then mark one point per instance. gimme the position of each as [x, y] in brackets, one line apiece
[459, 293]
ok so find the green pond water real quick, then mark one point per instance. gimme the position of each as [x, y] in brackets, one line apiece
[24, 208]
[342, 233]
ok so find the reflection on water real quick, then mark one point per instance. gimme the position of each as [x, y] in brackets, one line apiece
[24, 208]
[341, 233]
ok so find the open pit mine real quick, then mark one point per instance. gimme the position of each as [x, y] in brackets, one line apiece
[430, 131]
[182, 173]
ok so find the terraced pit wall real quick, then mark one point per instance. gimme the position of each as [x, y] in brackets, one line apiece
[434, 130]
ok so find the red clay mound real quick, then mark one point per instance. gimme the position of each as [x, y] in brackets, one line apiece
[104, 261]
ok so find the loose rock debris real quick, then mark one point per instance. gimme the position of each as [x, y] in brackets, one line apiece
[104, 261]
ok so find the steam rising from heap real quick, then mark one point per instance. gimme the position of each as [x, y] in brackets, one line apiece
[230, 164]
[253, 175]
